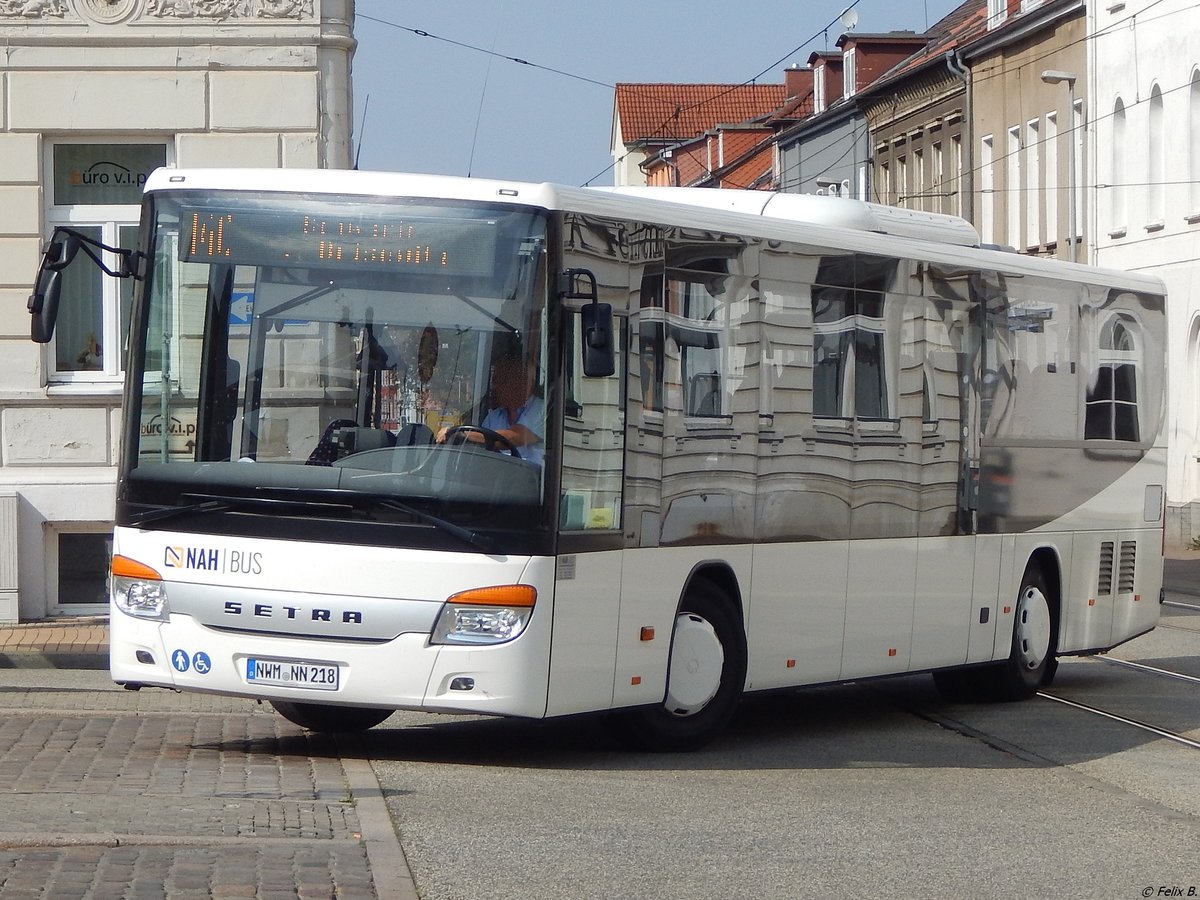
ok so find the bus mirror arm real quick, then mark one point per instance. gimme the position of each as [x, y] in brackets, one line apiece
[596, 321]
[62, 248]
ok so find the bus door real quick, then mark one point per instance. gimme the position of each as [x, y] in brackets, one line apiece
[955, 573]
[587, 595]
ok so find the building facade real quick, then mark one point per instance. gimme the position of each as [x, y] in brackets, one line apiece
[1028, 125]
[919, 122]
[97, 93]
[1146, 178]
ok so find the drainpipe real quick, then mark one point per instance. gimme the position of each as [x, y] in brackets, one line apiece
[967, 181]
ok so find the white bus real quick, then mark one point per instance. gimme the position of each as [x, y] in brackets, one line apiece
[768, 441]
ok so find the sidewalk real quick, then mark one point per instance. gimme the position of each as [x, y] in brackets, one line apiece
[64, 643]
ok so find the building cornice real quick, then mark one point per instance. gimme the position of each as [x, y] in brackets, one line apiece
[1021, 27]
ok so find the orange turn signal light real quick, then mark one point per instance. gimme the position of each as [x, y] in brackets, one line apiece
[497, 595]
[124, 567]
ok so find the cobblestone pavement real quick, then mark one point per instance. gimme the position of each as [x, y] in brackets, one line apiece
[110, 794]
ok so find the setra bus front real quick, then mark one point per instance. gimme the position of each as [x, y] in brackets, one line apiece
[327, 498]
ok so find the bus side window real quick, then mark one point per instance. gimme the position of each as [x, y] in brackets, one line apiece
[593, 440]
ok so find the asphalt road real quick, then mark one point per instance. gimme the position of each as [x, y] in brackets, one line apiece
[877, 789]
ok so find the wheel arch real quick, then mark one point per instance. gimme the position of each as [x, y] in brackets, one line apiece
[1049, 563]
[720, 575]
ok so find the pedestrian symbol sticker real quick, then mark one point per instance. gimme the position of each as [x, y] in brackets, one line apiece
[180, 660]
[201, 663]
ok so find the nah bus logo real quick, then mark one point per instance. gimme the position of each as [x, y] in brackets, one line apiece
[209, 559]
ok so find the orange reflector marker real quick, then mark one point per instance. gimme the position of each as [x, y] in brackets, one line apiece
[498, 595]
[791, 664]
[891, 651]
[1091, 601]
[1137, 598]
[1007, 610]
[647, 632]
[124, 567]
[636, 679]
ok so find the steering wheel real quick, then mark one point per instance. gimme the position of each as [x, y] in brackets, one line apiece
[492, 440]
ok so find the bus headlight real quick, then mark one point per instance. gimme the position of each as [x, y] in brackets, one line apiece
[490, 615]
[138, 590]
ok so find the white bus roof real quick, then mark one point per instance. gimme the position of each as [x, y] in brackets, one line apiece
[838, 223]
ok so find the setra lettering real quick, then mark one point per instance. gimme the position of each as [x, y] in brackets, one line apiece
[269, 611]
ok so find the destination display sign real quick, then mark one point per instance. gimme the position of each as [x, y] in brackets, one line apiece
[349, 240]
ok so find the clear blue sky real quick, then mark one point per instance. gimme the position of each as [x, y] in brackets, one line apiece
[441, 107]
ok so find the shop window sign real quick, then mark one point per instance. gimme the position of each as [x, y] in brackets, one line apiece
[104, 174]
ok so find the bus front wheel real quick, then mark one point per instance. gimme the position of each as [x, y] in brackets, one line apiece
[705, 678]
[325, 718]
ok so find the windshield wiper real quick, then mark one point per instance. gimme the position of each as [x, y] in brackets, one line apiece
[211, 503]
[474, 538]
[219, 503]
[170, 512]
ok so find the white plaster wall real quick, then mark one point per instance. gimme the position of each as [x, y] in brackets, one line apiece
[253, 88]
[1134, 46]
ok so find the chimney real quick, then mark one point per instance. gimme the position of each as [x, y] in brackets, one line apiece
[798, 81]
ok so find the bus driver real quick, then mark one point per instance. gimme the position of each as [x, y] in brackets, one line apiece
[519, 415]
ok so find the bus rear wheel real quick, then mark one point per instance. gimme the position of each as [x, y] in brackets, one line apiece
[326, 718]
[1031, 659]
[705, 678]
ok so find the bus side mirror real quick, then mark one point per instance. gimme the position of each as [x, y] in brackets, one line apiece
[596, 322]
[598, 358]
[43, 302]
[60, 250]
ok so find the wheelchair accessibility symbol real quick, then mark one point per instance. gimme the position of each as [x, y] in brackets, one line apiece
[200, 661]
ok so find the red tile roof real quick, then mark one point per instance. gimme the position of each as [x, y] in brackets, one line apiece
[673, 112]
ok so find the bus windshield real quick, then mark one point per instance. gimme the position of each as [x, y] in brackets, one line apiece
[339, 357]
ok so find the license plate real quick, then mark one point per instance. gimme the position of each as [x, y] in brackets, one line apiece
[296, 673]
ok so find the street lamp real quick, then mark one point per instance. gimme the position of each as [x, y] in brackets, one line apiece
[1054, 76]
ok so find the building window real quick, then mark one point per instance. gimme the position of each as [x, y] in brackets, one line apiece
[1012, 186]
[937, 183]
[819, 89]
[96, 189]
[1112, 402]
[918, 179]
[1194, 142]
[987, 191]
[956, 162]
[1033, 187]
[1156, 153]
[849, 73]
[997, 12]
[1077, 123]
[1051, 192]
[1117, 175]
[82, 567]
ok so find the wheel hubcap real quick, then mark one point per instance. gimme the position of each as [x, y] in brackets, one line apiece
[1033, 627]
[696, 661]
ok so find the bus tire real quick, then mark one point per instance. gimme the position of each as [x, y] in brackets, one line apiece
[326, 718]
[1031, 659]
[1031, 655]
[705, 678]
